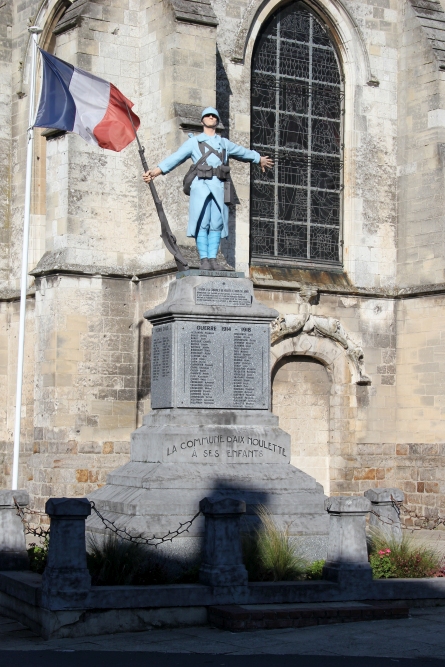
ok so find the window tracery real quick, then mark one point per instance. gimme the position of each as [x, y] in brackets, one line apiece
[296, 99]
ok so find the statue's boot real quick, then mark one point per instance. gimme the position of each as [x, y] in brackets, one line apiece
[205, 265]
[214, 266]
[214, 240]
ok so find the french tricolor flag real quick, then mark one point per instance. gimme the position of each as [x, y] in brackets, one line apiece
[77, 101]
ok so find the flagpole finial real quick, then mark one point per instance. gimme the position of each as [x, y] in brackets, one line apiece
[35, 30]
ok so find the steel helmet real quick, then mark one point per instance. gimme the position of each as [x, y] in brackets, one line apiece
[210, 110]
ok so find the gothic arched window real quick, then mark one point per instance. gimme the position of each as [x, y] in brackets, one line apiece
[296, 119]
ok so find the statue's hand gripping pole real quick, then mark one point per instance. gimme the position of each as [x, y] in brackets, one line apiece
[166, 233]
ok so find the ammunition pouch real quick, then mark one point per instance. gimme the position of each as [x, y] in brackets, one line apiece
[223, 172]
[205, 171]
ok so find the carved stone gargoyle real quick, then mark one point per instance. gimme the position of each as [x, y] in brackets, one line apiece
[329, 327]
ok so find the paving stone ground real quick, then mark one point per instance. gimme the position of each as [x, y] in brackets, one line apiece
[420, 637]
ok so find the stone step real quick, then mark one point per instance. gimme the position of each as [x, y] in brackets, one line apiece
[239, 618]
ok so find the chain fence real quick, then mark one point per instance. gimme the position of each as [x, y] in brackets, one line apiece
[122, 533]
[140, 539]
[419, 522]
[42, 533]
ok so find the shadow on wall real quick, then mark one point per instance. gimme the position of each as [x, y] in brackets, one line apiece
[223, 97]
[143, 363]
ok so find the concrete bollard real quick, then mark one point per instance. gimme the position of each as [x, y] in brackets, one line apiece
[222, 562]
[381, 502]
[66, 579]
[347, 560]
[13, 554]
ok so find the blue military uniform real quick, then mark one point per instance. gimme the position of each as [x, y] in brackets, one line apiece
[208, 214]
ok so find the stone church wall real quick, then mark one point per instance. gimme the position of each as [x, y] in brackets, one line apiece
[98, 261]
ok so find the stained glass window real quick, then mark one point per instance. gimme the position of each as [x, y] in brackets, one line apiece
[296, 119]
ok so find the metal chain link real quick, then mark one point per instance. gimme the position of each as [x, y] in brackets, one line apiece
[140, 539]
[155, 541]
[109, 525]
[411, 514]
[37, 532]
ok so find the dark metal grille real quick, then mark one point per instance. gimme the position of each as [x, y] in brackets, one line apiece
[296, 118]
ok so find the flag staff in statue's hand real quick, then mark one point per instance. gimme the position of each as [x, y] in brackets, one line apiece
[166, 234]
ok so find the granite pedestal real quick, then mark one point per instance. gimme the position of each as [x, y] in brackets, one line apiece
[211, 431]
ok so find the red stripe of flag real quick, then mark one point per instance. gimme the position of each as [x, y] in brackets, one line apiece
[115, 131]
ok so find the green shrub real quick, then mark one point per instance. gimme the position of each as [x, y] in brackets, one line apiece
[115, 562]
[269, 553]
[315, 570]
[407, 559]
[38, 555]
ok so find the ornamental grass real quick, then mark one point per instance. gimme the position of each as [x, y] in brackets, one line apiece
[403, 559]
[116, 562]
[270, 554]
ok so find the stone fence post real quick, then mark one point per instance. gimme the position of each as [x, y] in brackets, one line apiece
[66, 580]
[13, 554]
[222, 562]
[382, 505]
[347, 560]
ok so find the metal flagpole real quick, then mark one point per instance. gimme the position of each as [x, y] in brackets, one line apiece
[34, 30]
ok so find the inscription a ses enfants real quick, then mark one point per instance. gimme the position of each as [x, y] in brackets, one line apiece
[232, 447]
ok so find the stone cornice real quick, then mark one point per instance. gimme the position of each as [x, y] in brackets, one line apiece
[432, 19]
[10, 294]
[371, 293]
[334, 282]
[194, 11]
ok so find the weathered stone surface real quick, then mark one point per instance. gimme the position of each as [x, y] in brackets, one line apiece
[384, 516]
[155, 497]
[222, 558]
[216, 436]
[210, 346]
[13, 554]
[181, 301]
[347, 559]
[66, 580]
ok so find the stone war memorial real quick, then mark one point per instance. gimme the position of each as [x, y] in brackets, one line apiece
[210, 432]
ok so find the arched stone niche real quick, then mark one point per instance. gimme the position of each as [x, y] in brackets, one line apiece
[322, 340]
[301, 390]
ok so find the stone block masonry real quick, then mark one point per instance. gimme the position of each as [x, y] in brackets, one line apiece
[86, 402]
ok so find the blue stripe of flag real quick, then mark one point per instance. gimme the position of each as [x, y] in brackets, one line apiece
[56, 107]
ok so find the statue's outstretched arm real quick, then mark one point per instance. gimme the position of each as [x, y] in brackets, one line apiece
[243, 154]
[181, 155]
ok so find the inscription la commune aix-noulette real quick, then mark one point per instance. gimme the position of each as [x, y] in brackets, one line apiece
[227, 445]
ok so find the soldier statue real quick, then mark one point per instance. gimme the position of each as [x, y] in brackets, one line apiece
[208, 184]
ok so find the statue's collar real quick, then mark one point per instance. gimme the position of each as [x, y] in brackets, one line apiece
[205, 137]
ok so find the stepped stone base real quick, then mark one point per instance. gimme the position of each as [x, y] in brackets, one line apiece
[179, 457]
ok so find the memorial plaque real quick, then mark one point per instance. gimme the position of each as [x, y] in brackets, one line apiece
[162, 366]
[221, 293]
[222, 365]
